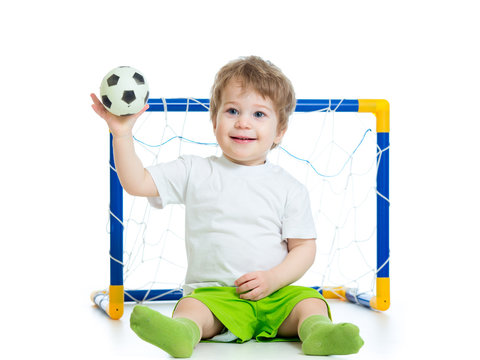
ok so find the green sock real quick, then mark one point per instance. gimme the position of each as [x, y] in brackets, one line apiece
[177, 337]
[320, 337]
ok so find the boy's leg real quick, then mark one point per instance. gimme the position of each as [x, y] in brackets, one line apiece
[309, 319]
[301, 311]
[191, 321]
[198, 312]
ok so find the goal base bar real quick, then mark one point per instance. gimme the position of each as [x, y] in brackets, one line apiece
[112, 302]
[380, 301]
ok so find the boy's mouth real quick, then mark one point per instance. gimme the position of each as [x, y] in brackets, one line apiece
[242, 139]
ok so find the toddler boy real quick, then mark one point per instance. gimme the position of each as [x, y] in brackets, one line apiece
[249, 229]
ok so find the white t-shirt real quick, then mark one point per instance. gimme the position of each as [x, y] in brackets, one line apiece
[238, 218]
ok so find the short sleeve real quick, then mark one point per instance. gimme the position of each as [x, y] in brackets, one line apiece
[298, 221]
[171, 180]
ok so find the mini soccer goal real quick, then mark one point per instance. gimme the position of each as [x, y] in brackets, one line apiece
[338, 148]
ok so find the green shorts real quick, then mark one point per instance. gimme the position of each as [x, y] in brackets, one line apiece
[248, 319]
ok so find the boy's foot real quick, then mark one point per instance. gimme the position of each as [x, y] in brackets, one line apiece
[320, 337]
[177, 337]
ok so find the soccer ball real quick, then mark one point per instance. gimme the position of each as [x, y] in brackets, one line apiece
[124, 91]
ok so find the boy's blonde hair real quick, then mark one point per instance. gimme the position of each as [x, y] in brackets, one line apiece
[263, 77]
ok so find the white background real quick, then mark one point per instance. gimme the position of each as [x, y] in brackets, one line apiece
[420, 55]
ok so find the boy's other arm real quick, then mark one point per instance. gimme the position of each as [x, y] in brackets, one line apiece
[135, 179]
[259, 284]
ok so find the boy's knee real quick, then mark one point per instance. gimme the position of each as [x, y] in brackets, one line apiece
[190, 307]
[313, 304]
[198, 312]
[309, 307]
[189, 303]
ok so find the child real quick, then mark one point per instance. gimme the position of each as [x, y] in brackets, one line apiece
[249, 228]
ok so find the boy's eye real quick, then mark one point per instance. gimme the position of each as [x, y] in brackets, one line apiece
[232, 111]
[259, 114]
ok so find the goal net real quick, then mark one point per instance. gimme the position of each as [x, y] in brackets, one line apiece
[338, 148]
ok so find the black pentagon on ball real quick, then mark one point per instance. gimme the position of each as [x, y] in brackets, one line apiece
[113, 80]
[129, 96]
[106, 101]
[138, 79]
[146, 97]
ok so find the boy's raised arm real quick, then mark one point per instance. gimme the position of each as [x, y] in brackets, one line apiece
[135, 179]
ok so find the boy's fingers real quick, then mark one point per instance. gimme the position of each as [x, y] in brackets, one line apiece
[244, 278]
[97, 105]
[247, 286]
[95, 108]
[95, 98]
[145, 108]
[251, 295]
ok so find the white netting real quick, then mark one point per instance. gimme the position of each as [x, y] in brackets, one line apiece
[333, 153]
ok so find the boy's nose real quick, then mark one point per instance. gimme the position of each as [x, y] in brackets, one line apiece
[242, 122]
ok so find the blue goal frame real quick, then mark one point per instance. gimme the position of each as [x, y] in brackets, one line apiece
[112, 301]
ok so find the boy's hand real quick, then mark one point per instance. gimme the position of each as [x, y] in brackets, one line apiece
[119, 125]
[255, 285]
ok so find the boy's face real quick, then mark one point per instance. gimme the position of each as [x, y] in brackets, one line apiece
[246, 125]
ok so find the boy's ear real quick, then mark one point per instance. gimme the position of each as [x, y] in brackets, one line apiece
[280, 134]
[214, 122]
